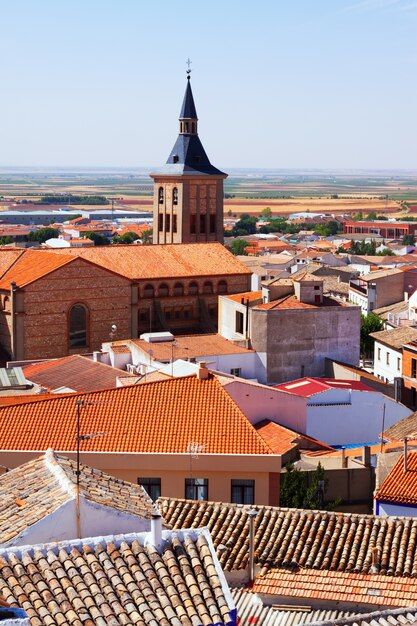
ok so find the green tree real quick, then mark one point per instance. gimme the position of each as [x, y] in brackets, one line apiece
[296, 494]
[371, 216]
[266, 212]
[147, 237]
[5, 240]
[409, 240]
[42, 234]
[386, 252]
[358, 216]
[98, 238]
[129, 237]
[246, 225]
[369, 324]
[239, 247]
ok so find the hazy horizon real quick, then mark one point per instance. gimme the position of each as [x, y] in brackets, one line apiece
[297, 86]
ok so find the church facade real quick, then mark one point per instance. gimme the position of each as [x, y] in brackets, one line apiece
[188, 189]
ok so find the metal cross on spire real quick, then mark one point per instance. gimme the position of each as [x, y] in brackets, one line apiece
[189, 70]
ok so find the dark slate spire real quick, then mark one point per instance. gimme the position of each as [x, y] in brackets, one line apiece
[188, 155]
[188, 110]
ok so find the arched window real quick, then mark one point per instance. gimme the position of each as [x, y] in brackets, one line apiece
[77, 323]
[208, 287]
[193, 288]
[178, 289]
[6, 301]
[148, 291]
[161, 195]
[163, 290]
[175, 196]
[222, 286]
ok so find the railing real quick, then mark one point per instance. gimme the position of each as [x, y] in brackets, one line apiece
[358, 287]
[397, 320]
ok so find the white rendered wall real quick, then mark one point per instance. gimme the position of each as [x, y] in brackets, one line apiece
[259, 403]
[381, 369]
[357, 422]
[96, 519]
[393, 508]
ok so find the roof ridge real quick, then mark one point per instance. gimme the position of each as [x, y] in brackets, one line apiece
[54, 467]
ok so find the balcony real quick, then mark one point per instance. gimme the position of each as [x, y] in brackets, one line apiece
[353, 284]
[400, 320]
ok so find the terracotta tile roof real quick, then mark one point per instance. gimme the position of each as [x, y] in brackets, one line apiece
[295, 538]
[31, 266]
[291, 302]
[308, 278]
[75, 372]
[190, 346]
[395, 338]
[400, 486]
[394, 617]
[163, 261]
[154, 417]
[248, 295]
[8, 256]
[306, 387]
[120, 349]
[251, 610]
[340, 587]
[282, 440]
[406, 427]
[376, 275]
[34, 490]
[118, 580]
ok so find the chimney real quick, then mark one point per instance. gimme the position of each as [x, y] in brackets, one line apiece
[366, 455]
[374, 567]
[405, 453]
[252, 514]
[344, 458]
[156, 529]
[202, 371]
[96, 356]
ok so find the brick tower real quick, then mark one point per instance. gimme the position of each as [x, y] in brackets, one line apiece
[188, 190]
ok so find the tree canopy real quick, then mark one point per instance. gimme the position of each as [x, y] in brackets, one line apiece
[370, 323]
[239, 247]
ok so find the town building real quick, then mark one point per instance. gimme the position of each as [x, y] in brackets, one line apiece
[161, 577]
[377, 289]
[316, 559]
[388, 351]
[61, 302]
[188, 189]
[385, 229]
[292, 326]
[397, 495]
[338, 412]
[409, 373]
[39, 503]
[153, 351]
[182, 437]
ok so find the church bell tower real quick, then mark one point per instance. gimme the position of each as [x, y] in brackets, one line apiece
[188, 190]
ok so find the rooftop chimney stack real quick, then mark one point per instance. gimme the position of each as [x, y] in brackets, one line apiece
[202, 371]
[156, 529]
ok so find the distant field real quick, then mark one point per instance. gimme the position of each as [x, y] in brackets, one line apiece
[313, 205]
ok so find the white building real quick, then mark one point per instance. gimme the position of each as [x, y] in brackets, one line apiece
[337, 412]
[388, 350]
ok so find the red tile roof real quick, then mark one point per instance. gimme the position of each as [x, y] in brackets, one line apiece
[75, 372]
[248, 295]
[400, 486]
[159, 417]
[282, 440]
[163, 261]
[292, 302]
[306, 387]
[31, 266]
[330, 586]
[190, 346]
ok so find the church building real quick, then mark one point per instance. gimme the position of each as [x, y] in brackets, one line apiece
[188, 189]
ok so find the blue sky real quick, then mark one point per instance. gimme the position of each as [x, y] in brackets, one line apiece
[277, 83]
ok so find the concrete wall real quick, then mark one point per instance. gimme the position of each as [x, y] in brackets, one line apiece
[296, 342]
[389, 289]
